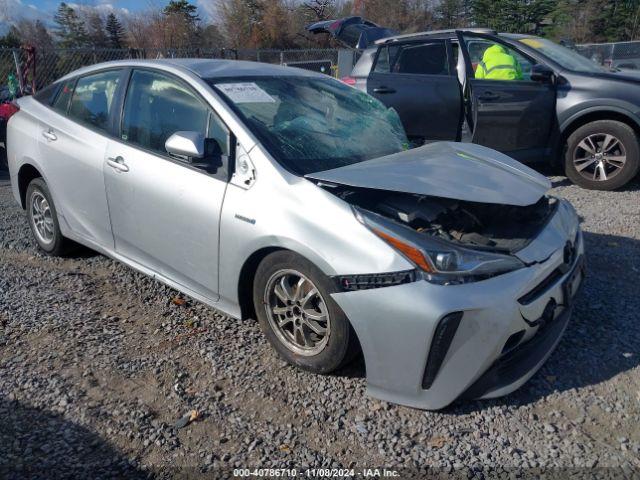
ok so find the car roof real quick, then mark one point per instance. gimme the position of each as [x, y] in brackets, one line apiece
[205, 68]
[451, 33]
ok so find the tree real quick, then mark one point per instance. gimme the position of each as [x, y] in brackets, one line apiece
[240, 20]
[96, 34]
[212, 37]
[69, 28]
[180, 24]
[11, 39]
[184, 9]
[115, 32]
[452, 13]
[514, 16]
[318, 10]
[34, 33]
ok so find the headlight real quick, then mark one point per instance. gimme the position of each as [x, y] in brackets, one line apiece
[442, 262]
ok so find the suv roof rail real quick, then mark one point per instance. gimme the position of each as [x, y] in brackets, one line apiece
[435, 32]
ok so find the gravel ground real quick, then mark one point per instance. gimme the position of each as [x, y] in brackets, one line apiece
[97, 363]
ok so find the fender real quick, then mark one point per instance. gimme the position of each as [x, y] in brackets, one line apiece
[619, 107]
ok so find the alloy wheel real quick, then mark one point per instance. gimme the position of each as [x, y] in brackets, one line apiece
[599, 157]
[297, 312]
[42, 218]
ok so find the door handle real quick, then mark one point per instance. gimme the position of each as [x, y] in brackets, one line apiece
[118, 164]
[49, 135]
[383, 90]
[488, 96]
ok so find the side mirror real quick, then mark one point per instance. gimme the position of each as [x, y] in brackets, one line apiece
[541, 73]
[185, 144]
[196, 150]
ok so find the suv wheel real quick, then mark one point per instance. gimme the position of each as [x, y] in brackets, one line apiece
[602, 155]
[298, 316]
[43, 219]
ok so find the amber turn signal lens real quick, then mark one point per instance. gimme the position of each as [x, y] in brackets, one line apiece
[407, 250]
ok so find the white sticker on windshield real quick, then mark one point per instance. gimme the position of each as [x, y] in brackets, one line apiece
[245, 93]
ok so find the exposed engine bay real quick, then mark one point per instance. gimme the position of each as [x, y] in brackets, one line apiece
[485, 226]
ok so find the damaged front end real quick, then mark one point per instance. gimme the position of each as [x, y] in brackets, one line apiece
[451, 241]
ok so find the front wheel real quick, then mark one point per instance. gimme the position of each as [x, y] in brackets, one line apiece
[298, 316]
[602, 155]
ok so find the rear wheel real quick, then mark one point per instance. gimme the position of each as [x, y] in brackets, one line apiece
[298, 316]
[602, 155]
[43, 219]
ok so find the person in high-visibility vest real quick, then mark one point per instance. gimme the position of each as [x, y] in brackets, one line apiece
[498, 64]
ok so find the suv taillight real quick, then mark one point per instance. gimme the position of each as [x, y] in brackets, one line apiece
[349, 81]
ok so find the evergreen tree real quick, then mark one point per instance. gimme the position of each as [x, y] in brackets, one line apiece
[69, 28]
[11, 39]
[513, 16]
[184, 9]
[451, 13]
[97, 34]
[115, 32]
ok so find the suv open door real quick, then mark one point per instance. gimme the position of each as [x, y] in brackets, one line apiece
[512, 116]
[352, 32]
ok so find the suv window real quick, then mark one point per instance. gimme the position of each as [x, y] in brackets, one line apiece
[158, 105]
[412, 58]
[93, 97]
[477, 48]
[61, 102]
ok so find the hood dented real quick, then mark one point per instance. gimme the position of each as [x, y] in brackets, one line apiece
[458, 171]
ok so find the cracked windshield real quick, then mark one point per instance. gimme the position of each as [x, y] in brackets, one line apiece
[311, 125]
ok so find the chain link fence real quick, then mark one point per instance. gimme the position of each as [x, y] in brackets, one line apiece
[613, 55]
[52, 64]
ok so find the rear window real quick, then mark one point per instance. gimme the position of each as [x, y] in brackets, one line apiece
[93, 97]
[61, 103]
[416, 59]
[47, 94]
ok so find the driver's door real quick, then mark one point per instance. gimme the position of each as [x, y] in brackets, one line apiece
[513, 116]
[165, 213]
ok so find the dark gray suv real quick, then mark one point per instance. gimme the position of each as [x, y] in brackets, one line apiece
[566, 109]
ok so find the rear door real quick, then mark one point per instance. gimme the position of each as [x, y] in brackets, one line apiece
[418, 79]
[73, 138]
[513, 116]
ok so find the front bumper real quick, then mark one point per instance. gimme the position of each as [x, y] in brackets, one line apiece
[510, 324]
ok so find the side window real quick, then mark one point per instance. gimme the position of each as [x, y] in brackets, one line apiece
[420, 59]
[47, 94]
[382, 63]
[218, 130]
[93, 98]
[494, 61]
[61, 103]
[157, 106]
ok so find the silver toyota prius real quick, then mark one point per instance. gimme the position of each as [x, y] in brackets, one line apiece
[280, 194]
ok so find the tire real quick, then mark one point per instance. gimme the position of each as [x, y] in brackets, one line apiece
[327, 352]
[42, 214]
[604, 140]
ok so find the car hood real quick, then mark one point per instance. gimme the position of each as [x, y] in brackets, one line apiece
[445, 169]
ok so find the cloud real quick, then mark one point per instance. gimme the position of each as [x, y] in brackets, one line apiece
[13, 10]
[208, 10]
[103, 8]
